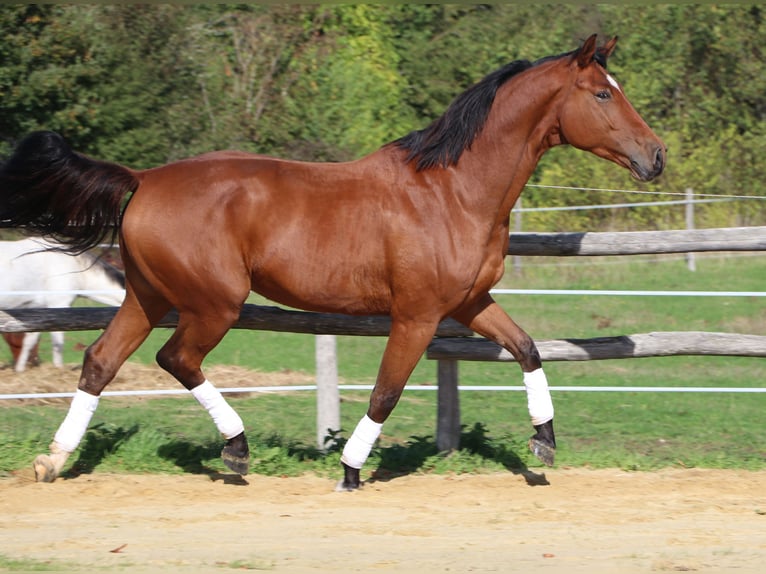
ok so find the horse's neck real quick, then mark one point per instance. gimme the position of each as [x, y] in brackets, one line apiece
[520, 128]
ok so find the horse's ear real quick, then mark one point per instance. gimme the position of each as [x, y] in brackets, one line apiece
[609, 47]
[586, 52]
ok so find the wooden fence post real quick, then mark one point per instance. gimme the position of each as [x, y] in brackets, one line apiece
[328, 396]
[448, 406]
[690, 261]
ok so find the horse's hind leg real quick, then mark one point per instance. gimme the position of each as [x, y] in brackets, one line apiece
[487, 318]
[27, 344]
[130, 326]
[196, 335]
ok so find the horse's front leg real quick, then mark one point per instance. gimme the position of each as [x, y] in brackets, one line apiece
[488, 319]
[406, 344]
[57, 344]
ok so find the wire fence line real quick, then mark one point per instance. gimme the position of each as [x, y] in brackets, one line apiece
[644, 192]
[413, 388]
[618, 205]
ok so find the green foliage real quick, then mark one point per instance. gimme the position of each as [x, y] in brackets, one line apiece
[345, 92]
[144, 85]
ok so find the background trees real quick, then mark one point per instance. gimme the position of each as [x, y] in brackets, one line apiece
[144, 85]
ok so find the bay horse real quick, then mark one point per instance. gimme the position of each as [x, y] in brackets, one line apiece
[34, 274]
[416, 230]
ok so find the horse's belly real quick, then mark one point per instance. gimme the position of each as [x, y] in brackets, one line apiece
[356, 292]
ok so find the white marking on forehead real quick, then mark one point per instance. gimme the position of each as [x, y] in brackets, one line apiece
[612, 81]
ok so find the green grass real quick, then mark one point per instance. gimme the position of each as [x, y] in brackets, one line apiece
[29, 565]
[626, 430]
[638, 431]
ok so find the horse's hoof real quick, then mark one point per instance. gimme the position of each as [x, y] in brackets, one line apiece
[344, 486]
[351, 481]
[239, 465]
[45, 470]
[236, 454]
[545, 452]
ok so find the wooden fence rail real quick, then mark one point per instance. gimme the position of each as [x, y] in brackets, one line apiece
[255, 317]
[638, 242]
[660, 344]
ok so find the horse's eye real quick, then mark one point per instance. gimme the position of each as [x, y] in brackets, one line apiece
[603, 95]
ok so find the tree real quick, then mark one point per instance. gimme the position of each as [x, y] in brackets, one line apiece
[47, 76]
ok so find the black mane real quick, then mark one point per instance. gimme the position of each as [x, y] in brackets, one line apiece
[446, 138]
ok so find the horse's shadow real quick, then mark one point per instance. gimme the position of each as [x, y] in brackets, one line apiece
[191, 456]
[99, 442]
[401, 460]
[393, 461]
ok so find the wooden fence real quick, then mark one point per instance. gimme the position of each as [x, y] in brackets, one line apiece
[454, 342]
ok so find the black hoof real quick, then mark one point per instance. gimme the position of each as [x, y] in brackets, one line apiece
[350, 480]
[543, 443]
[236, 454]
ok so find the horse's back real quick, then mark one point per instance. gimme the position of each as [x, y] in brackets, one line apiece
[301, 233]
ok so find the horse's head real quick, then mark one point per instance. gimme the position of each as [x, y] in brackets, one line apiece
[597, 117]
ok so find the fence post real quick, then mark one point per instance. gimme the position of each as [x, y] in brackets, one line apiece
[448, 406]
[328, 397]
[690, 262]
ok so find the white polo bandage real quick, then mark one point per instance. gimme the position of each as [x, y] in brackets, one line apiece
[358, 447]
[72, 429]
[225, 418]
[538, 397]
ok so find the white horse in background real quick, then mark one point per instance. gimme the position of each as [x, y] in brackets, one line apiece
[33, 276]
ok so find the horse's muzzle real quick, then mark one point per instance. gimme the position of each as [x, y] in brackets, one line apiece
[651, 169]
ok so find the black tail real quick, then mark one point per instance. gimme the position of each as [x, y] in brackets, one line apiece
[55, 192]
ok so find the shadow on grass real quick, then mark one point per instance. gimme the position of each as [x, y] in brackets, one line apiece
[270, 455]
[190, 456]
[100, 441]
[476, 446]
[274, 455]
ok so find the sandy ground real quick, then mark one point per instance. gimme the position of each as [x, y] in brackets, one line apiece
[565, 521]
[605, 521]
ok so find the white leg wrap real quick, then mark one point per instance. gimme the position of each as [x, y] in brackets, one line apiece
[358, 447]
[75, 424]
[538, 397]
[224, 417]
